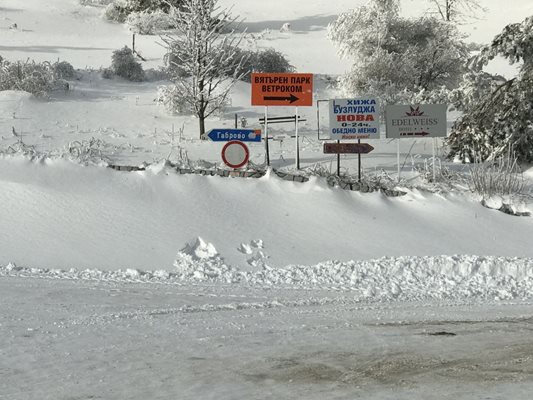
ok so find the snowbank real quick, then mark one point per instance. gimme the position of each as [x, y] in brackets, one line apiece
[383, 279]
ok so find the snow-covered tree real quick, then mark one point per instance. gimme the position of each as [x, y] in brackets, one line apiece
[456, 10]
[396, 58]
[498, 113]
[203, 55]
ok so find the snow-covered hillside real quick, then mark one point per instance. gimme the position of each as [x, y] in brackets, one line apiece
[59, 215]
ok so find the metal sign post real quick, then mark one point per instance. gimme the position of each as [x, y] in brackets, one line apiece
[433, 151]
[398, 157]
[359, 163]
[267, 154]
[297, 141]
[338, 161]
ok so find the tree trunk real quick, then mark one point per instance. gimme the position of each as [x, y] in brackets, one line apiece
[201, 119]
[201, 109]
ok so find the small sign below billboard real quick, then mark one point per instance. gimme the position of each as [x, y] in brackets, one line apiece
[420, 120]
[356, 118]
[347, 148]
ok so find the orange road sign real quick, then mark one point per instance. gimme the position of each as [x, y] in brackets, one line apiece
[273, 89]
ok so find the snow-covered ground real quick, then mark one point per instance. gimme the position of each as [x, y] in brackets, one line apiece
[110, 339]
[155, 284]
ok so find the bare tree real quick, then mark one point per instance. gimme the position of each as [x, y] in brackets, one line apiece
[456, 10]
[203, 56]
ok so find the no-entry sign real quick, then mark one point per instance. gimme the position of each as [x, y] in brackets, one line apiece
[273, 89]
[235, 154]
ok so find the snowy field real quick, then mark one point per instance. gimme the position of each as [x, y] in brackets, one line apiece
[160, 285]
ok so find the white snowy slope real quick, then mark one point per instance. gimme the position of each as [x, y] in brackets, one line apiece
[56, 214]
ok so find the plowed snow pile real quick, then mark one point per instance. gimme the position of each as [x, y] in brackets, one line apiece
[388, 278]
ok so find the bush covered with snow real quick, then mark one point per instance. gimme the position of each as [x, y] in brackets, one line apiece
[95, 2]
[85, 151]
[35, 78]
[117, 12]
[149, 22]
[63, 70]
[172, 99]
[268, 60]
[497, 178]
[143, 12]
[153, 75]
[123, 64]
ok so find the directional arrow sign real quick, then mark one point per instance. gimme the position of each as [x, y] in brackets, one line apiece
[291, 99]
[347, 148]
[277, 89]
[414, 133]
[242, 135]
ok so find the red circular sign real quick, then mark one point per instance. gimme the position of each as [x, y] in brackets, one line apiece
[235, 154]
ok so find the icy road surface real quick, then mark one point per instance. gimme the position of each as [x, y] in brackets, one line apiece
[92, 339]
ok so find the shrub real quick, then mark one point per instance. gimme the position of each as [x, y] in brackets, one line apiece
[107, 73]
[63, 70]
[35, 78]
[149, 22]
[124, 65]
[117, 12]
[500, 177]
[86, 151]
[152, 5]
[95, 2]
[268, 60]
[153, 75]
[172, 99]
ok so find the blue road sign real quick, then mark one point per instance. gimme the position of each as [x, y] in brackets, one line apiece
[242, 135]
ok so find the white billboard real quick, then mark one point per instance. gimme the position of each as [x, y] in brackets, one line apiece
[356, 118]
[420, 120]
